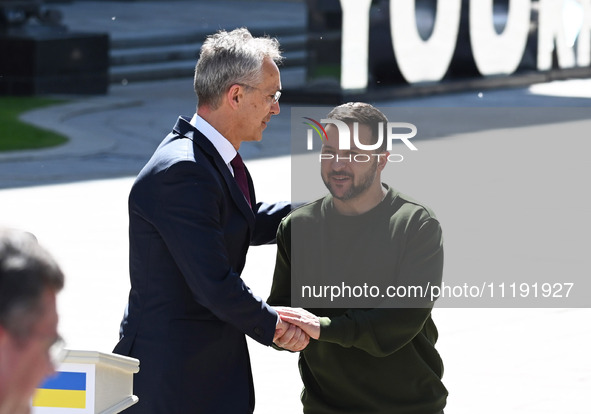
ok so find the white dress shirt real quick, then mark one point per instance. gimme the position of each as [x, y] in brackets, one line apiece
[221, 144]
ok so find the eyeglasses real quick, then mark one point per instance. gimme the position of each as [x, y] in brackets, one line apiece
[274, 98]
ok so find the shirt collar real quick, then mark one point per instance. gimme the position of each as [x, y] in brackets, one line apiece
[221, 144]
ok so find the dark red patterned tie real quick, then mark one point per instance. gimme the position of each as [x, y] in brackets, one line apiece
[240, 176]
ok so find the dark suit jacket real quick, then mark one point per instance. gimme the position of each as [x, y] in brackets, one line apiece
[189, 230]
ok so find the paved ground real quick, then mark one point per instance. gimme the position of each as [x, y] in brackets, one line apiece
[511, 198]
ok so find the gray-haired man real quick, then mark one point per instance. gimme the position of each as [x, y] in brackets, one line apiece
[192, 215]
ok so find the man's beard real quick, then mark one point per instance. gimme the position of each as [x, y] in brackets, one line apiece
[355, 190]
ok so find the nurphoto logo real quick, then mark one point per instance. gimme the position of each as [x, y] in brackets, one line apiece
[401, 131]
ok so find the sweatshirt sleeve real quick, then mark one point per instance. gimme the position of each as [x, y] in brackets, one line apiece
[382, 331]
[379, 332]
[281, 289]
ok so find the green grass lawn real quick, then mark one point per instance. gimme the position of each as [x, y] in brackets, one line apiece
[17, 135]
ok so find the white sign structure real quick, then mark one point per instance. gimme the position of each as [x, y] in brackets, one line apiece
[424, 60]
[560, 23]
[504, 51]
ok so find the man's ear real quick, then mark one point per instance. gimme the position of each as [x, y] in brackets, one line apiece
[383, 160]
[234, 95]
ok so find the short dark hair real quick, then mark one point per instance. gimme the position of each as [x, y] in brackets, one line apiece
[27, 270]
[364, 114]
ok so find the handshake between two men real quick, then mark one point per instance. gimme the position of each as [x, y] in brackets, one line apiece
[295, 328]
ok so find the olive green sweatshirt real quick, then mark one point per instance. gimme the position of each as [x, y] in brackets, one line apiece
[367, 360]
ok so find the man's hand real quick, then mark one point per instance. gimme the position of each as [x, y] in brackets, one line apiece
[290, 337]
[305, 320]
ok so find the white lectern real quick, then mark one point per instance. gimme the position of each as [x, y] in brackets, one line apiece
[88, 382]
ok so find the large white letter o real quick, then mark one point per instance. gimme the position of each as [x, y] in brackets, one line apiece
[498, 54]
[419, 60]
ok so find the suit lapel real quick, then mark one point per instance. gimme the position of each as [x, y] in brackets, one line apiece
[200, 143]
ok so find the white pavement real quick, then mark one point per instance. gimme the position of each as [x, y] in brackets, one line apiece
[496, 360]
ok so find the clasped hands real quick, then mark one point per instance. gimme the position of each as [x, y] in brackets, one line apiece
[295, 328]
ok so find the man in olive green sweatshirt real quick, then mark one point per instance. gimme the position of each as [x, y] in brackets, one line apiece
[378, 359]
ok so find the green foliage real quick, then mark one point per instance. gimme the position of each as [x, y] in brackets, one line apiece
[17, 135]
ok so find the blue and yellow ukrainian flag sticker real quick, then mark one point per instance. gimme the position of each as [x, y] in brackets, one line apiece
[64, 390]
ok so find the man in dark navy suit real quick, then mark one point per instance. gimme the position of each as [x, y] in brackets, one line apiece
[192, 215]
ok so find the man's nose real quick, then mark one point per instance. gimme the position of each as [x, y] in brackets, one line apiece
[275, 109]
[338, 163]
